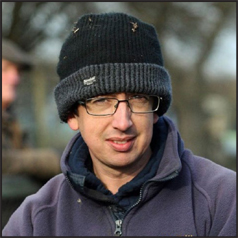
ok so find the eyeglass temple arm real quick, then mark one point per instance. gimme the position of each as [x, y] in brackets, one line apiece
[81, 102]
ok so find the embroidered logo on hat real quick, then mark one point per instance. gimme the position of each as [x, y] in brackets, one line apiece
[89, 81]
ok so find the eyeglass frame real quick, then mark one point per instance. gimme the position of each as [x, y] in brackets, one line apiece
[83, 103]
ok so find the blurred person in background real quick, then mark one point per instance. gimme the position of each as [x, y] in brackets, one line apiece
[127, 172]
[24, 169]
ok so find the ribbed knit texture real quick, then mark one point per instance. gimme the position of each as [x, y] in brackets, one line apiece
[109, 53]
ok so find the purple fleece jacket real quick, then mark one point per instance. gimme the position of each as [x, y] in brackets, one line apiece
[199, 201]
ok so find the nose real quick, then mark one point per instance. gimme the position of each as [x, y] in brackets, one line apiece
[122, 117]
[16, 76]
[13, 76]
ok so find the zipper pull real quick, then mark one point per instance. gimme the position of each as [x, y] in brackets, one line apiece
[118, 231]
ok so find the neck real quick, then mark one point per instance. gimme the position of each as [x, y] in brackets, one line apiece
[114, 178]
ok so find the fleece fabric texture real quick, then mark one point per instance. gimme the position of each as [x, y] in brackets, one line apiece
[188, 196]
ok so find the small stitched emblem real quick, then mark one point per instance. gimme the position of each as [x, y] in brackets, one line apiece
[89, 81]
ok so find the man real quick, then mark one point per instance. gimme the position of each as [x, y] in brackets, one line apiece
[126, 172]
[14, 60]
[24, 169]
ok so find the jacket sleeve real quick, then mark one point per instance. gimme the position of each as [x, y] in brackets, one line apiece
[25, 220]
[224, 206]
[19, 223]
[218, 186]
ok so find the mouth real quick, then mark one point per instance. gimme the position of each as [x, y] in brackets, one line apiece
[121, 144]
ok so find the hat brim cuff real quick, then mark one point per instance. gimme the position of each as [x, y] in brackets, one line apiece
[102, 79]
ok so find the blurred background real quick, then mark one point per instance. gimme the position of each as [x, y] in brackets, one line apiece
[198, 41]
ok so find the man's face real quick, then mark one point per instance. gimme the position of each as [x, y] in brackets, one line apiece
[10, 79]
[119, 141]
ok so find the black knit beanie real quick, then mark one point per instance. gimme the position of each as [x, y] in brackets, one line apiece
[110, 53]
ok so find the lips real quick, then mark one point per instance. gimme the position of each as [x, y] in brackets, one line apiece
[121, 144]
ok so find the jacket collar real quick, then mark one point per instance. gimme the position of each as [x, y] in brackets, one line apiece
[173, 150]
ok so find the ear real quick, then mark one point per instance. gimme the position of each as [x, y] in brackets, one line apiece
[73, 122]
[156, 118]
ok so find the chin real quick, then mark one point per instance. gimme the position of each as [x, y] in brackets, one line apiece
[122, 162]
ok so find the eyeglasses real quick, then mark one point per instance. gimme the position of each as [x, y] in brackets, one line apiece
[104, 106]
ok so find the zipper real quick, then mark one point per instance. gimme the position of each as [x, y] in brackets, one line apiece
[171, 176]
[70, 184]
[118, 231]
[118, 222]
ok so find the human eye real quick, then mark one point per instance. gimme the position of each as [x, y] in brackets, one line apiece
[98, 100]
[100, 105]
[102, 101]
[139, 98]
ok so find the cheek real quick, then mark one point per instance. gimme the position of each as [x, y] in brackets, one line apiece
[93, 138]
[144, 127]
[91, 130]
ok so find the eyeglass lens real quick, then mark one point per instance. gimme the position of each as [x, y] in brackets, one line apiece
[108, 106]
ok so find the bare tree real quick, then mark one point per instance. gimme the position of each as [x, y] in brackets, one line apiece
[197, 26]
[193, 26]
[28, 23]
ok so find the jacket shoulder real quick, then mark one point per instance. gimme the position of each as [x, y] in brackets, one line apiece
[47, 197]
[217, 185]
[211, 176]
